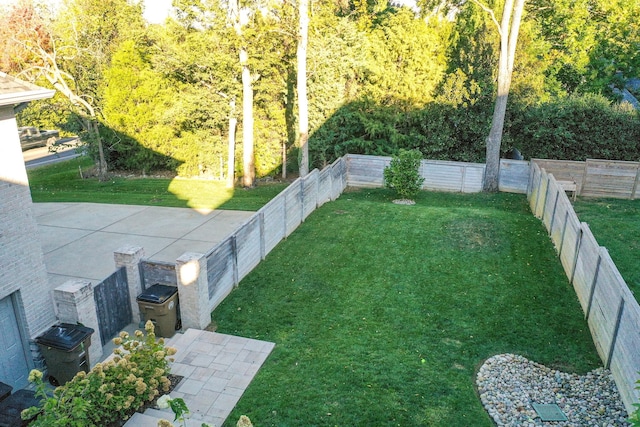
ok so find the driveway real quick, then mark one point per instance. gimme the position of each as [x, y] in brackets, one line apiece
[78, 239]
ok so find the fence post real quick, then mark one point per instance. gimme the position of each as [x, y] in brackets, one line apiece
[553, 214]
[635, 183]
[75, 304]
[615, 333]
[263, 245]
[129, 257]
[193, 290]
[530, 182]
[592, 291]
[302, 198]
[234, 260]
[564, 230]
[577, 253]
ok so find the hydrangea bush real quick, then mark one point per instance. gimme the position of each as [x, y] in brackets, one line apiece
[112, 390]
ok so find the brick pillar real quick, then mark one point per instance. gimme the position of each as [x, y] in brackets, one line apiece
[129, 257]
[193, 290]
[75, 304]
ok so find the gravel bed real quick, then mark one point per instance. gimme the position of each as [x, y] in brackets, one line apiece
[508, 384]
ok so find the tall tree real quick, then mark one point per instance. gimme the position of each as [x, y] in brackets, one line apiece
[238, 18]
[508, 30]
[303, 102]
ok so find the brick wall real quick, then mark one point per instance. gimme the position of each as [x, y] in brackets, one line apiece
[22, 268]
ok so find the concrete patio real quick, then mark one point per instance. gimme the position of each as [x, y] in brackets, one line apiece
[78, 239]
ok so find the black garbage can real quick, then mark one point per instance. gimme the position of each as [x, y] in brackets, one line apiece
[12, 407]
[65, 350]
[159, 303]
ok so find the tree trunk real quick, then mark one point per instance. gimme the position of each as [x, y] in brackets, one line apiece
[303, 104]
[509, 29]
[248, 165]
[102, 163]
[231, 156]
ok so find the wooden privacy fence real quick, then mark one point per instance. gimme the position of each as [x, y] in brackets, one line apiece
[439, 175]
[226, 264]
[597, 178]
[612, 312]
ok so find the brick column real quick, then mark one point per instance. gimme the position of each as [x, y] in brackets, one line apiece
[129, 257]
[193, 290]
[75, 304]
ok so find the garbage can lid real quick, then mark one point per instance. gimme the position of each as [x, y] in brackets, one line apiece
[64, 336]
[157, 293]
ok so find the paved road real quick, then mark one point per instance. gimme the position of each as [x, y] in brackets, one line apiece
[42, 156]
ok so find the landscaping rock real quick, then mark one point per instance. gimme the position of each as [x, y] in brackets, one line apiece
[508, 384]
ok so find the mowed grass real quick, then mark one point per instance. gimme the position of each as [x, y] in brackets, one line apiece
[615, 223]
[382, 314]
[62, 182]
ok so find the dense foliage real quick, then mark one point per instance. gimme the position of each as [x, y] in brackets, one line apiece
[112, 390]
[380, 79]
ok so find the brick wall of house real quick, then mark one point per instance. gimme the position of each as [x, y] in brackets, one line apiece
[22, 268]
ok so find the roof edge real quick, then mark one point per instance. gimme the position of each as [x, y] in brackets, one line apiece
[28, 92]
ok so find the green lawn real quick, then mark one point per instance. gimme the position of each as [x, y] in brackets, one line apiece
[61, 182]
[382, 314]
[615, 223]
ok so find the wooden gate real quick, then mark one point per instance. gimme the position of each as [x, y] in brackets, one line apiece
[113, 304]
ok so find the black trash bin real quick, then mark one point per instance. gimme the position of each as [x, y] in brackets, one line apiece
[12, 407]
[159, 303]
[65, 350]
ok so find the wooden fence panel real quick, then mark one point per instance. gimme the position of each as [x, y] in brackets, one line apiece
[473, 178]
[514, 176]
[610, 179]
[452, 176]
[273, 217]
[587, 267]
[605, 303]
[152, 272]
[248, 246]
[293, 206]
[339, 179]
[113, 305]
[536, 176]
[443, 176]
[563, 170]
[325, 186]
[563, 209]
[571, 238]
[625, 361]
[542, 193]
[551, 201]
[309, 193]
[366, 171]
[222, 274]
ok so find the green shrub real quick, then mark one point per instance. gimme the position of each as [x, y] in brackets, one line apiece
[403, 174]
[577, 128]
[112, 390]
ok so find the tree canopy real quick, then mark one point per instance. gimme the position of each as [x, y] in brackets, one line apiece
[380, 78]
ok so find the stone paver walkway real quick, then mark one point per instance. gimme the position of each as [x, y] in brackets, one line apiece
[217, 369]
